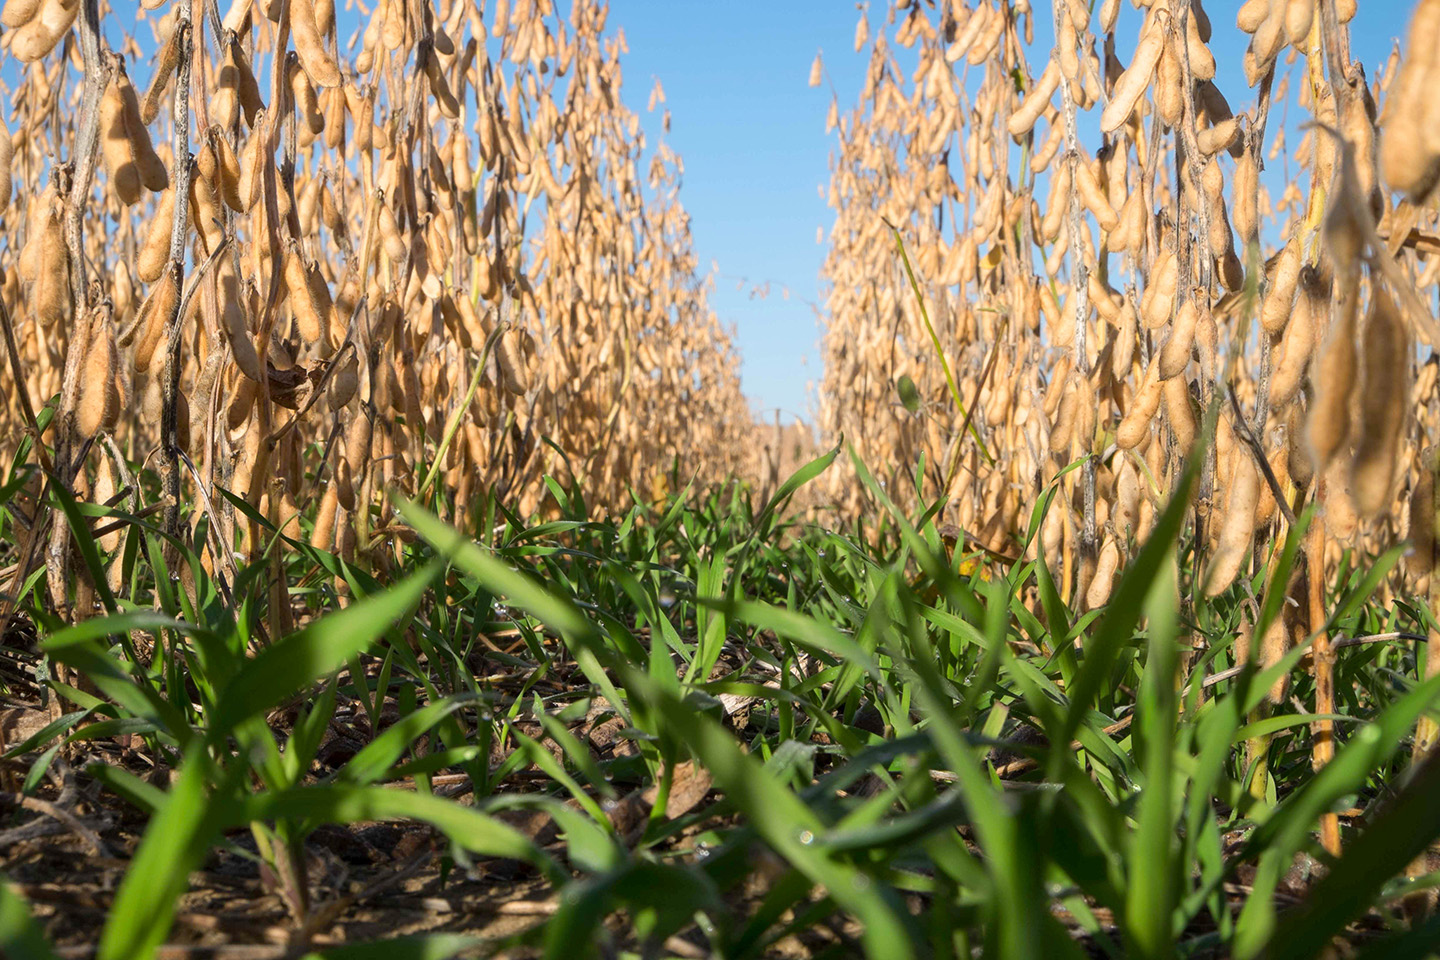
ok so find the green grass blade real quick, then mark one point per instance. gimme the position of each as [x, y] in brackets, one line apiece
[1117, 626]
[939, 351]
[286, 667]
[377, 757]
[1410, 821]
[500, 578]
[174, 843]
[782, 819]
[1151, 889]
[20, 938]
[465, 826]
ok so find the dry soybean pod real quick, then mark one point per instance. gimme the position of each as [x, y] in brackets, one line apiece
[1237, 526]
[344, 484]
[51, 293]
[1136, 78]
[1064, 428]
[1125, 331]
[1409, 149]
[1298, 341]
[227, 170]
[1180, 411]
[323, 304]
[97, 388]
[514, 376]
[1219, 137]
[344, 382]
[1104, 577]
[206, 214]
[44, 30]
[1244, 186]
[1130, 234]
[362, 114]
[154, 253]
[105, 490]
[307, 207]
[323, 534]
[1384, 391]
[1143, 405]
[1275, 311]
[395, 247]
[234, 325]
[1175, 355]
[1299, 14]
[1249, 17]
[1334, 379]
[166, 62]
[1093, 196]
[1040, 162]
[17, 13]
[310, 45]
[1159, 296]
[357, 443]
[330, 214]
[250, 100]
[1056, 205]
[116, 149]
[151, 168]
[449, 106]
[1202, 61]
[297, 284]
[306, 102]
[332, 102]
[224, 105]
[1022, 121]
[252, 172]
[162, 301]
[1169, 84]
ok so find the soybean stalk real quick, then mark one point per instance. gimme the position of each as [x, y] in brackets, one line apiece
[81, 174]
[1080, 285]
[179, 229]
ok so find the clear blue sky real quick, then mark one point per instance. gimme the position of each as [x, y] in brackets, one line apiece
[752, 135]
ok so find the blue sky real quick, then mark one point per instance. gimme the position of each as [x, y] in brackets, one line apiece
[752, 135]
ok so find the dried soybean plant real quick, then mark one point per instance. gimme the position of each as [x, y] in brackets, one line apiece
[252, 254]
[1104, 256]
